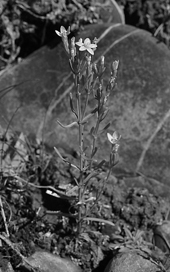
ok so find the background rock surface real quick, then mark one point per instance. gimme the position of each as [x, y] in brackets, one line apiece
[131, 262]
[139, 107]
[45, 262]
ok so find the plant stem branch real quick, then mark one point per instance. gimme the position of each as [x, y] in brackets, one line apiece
[80, 196]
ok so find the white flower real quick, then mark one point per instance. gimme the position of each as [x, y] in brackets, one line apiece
[63, 32]
[115, 65]
[86, 45]
[114, 138]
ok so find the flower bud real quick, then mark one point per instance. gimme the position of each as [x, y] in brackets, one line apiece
[64, 35]
[99, 90]
[95, 40]
[72, 48]
[115, 148]
[114, 67]
[102, 68]
[102, 61]
[95, 69]
[65, 42]
[114, 159]
[88, 58]
[73, 42]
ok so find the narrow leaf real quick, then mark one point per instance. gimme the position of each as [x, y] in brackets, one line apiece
[103, 129]
[91, 131]
[86, 158]
[92, 198]
[128, 233]
[139, 234]
[94, 152]
[91, 175]
[104, 115]
[87, 117]
[100, 164]
[67, 126]
[71, 105]
[72, 191]
[58, 153]
[100, 220]
[94, 110]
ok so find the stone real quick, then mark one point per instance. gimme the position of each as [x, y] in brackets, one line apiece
[153, 186]
[131, 262]
[161, 236]
[39, 88]
[110, 12]
[46, 262]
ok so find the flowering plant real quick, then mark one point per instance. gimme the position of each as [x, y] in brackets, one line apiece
[88, 81]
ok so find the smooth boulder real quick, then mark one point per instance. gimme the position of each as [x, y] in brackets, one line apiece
[139, 107]
[131, 262]
[109, 11]
[45, 262]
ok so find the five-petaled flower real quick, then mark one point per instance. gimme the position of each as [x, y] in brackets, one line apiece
[114, 138]
[86, 45]
[63, 32]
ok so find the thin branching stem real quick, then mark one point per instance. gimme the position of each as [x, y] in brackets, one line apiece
[98, 196]
[79, 111]
[86, 103]
[94, 142]
[88, 80]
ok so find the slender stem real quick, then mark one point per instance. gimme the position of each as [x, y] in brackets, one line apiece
[80, 196]
[99, 195]
[87, 180]
[86, 103]
[94, 142]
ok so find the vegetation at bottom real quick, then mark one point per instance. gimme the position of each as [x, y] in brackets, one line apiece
[36, 212]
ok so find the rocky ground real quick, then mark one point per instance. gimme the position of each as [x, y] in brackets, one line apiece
[35, 222]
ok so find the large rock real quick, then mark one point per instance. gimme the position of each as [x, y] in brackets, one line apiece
[45, 262]
[139, 108]
[110, 12]
[131, 262]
